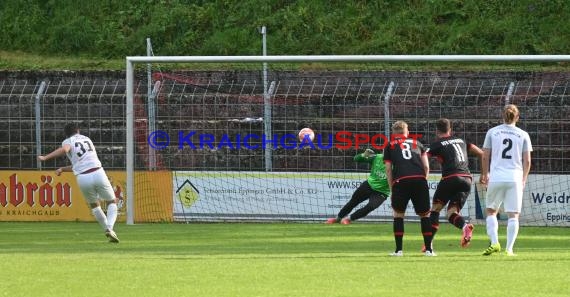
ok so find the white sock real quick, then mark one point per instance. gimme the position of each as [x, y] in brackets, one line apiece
[111, 215]
[512, 232]
[100, 216]
[493, 229]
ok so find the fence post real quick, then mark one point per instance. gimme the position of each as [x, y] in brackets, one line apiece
[266, 105]
[387, 109]
[509, 93]
[38, 97]
[151, 107]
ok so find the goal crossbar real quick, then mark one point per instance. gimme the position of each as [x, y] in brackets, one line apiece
[352, 58]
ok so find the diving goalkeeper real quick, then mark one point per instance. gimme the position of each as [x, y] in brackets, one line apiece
[375, 189]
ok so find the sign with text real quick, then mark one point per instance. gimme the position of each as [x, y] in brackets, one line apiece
[259, 195]
[44, 196]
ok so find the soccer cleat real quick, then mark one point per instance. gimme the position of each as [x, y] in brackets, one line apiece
[430, 254]
[346, 221]
[112, 236]
[397, 254]
[467, 234]
[331, 221]
[493, 248]
[511, 254]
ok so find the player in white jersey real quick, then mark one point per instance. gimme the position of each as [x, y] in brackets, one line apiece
[508, 148]
[90, 175]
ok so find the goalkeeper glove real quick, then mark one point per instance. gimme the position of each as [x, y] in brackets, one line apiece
[368, 153]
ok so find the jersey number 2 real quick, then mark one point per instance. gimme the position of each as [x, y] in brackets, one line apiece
[509, 144]
[82, 148]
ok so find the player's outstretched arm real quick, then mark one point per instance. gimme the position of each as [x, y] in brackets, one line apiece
[475, 150]
[367, 156]
[425, 163]
[484, 178]
[63, 169]
[57, 153]
[526, 166]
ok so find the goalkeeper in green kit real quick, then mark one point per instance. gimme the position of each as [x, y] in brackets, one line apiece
[375, 189]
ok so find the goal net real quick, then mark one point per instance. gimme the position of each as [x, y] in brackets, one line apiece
[217, 137]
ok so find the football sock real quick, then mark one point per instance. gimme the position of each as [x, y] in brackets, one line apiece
[493, 229]
[398, 232]
[457, 220]
[512, 232]
[434, 219]
[111, 215]
[345, 211]
[100, 216]
[427, 232]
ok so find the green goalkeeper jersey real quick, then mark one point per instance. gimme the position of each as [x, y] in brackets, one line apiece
[377, 178]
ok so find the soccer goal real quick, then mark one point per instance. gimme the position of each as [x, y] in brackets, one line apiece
[217, 138]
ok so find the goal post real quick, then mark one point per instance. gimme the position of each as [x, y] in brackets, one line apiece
[411, 108]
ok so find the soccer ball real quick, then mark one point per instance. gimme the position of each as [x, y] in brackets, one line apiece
[306, 132]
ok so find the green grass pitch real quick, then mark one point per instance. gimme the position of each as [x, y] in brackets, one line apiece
[231, 259]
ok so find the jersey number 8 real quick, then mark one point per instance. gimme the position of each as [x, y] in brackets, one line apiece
[406, 150]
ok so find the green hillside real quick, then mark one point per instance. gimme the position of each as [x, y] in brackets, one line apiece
[114, 29]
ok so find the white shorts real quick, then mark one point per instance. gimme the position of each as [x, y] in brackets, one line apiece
[510, 193]
[95, 186]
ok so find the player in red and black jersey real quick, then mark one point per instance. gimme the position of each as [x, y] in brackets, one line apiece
[455, 184]
[407, 169]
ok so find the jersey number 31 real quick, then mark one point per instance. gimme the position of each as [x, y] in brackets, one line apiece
[82, 148]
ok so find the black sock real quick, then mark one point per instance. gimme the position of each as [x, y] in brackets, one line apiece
[457, 220]
[398, 232]
[427, 232]
[434, 219]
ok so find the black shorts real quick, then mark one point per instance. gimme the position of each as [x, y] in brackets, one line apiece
[411, 189]
[454, 190]
[365, 191]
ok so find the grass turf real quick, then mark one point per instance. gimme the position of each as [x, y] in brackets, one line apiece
[74, 259]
